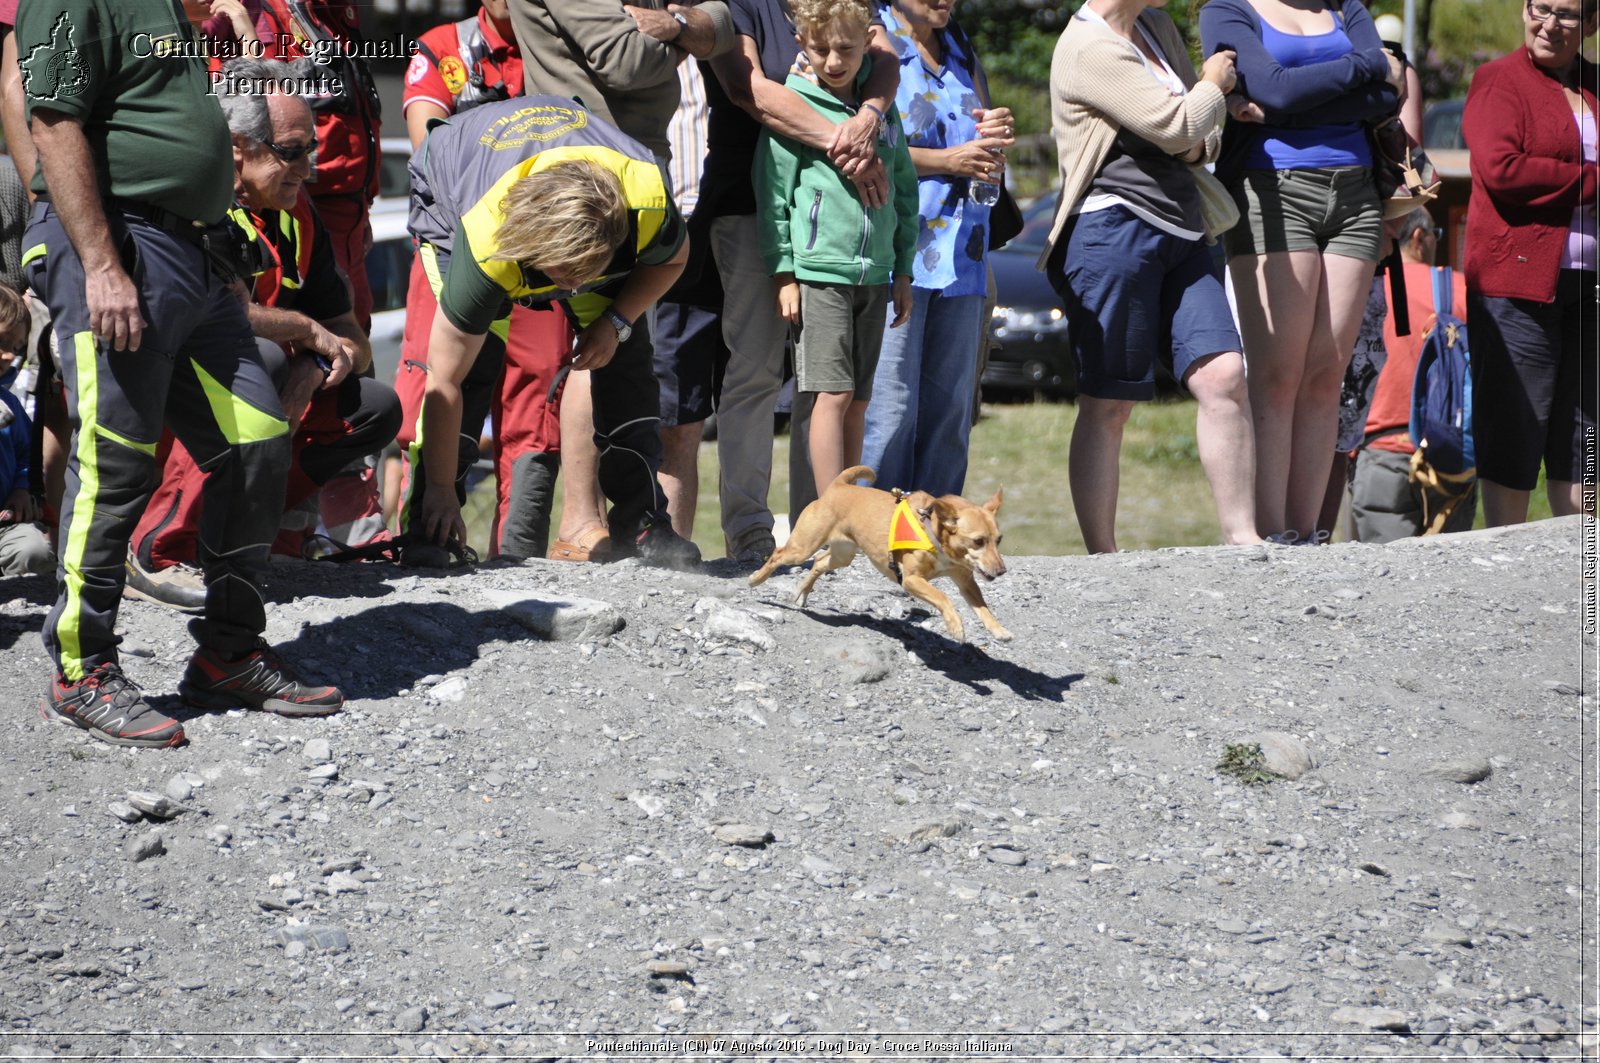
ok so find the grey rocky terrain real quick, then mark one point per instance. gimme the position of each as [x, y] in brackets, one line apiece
[598, 812]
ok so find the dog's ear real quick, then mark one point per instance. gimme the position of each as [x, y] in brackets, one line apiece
[993, 505]
[945, 511]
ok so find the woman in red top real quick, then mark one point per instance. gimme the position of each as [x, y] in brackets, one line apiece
[1531, 264]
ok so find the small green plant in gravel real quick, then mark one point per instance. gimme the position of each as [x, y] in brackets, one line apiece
[1244, 761]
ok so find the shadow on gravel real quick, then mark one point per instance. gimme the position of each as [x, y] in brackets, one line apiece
[963, 663]
[39, 591]
[418, 638]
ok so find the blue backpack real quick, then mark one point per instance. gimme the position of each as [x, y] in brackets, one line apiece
[1441, 408]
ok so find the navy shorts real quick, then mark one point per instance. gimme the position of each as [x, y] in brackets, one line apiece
[1533, 384]
[1132, 294]
[689, 354]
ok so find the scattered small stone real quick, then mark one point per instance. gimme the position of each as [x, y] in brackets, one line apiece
[1373, 869]
[650, 804]
[324, 772]
[294, 950]
[317, 750]
[1284, 754]
[271, 904]
[936, 829]
[496, 1001]
[666, 969]
[344, 1004]
[1459, 821]
[411, 1020]
[125, 812]
[743, 834]
[739, 626]
[453, 689]
[329, 938]
[1272, 984]
[1462, 771]
[156, 806]
[142, 847]
[558, 619]
[178, 789]
[1233, 926]
[998, 854]
[1372, 1018]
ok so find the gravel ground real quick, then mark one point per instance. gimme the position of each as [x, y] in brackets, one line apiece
[696, 809]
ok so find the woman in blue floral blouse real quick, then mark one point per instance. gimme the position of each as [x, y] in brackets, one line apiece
[921, 411]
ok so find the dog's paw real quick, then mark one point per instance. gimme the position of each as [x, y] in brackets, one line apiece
[1000, 634]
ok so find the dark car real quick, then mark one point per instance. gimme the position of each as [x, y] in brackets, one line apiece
[1030, 353]
[1441, 125]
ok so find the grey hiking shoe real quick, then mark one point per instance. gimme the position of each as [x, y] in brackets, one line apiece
[111, 707]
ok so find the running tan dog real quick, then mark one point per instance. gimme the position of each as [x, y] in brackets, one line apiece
[928, 538]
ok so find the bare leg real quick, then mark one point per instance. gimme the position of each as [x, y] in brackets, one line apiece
[583, 507]
[828, 437]
[1093, 469]
[855, 433]
[680, 474]
[1277, 296]
[1227, 444]
[1566, 498]
[1341, 303]
[1503, 505]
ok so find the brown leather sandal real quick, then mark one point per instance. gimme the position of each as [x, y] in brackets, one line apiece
[591, 545]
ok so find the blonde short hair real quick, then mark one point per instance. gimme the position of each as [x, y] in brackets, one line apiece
[571, 217]
[814, 16]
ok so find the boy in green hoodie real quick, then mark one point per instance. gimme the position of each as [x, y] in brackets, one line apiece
[832, 256]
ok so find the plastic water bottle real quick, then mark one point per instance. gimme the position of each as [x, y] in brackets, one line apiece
[984, 193]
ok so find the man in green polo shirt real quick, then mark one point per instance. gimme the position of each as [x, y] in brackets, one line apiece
[126, 246]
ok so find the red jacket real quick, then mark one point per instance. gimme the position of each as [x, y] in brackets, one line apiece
[347, 124]
[1528, 175]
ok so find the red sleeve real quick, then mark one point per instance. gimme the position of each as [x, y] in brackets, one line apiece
[8, 12]
[1493, 124]
[423, 80]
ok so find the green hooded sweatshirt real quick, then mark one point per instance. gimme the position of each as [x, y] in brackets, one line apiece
[813, 223]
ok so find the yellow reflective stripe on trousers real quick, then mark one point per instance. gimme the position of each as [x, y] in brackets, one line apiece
[69, 627]
[238, 421]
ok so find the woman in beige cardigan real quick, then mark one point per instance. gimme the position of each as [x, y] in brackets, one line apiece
[1128, 253]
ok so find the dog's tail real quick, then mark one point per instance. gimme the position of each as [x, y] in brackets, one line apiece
[854, 473]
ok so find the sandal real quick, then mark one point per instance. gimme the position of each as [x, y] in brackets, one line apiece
[591, 545]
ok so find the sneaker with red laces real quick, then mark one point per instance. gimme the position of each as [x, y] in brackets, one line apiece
[111, 707]
[258, 680]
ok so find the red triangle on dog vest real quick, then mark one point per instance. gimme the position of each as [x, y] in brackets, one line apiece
[906, 531]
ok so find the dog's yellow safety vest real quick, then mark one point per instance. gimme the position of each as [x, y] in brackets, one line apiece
[906, 531]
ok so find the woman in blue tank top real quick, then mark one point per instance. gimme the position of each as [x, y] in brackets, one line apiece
[1295, 157]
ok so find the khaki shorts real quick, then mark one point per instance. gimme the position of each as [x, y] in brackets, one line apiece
[840, 337]
[1334, 210]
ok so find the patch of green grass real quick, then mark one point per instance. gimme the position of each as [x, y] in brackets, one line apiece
[1244, 761]
[1164, 499]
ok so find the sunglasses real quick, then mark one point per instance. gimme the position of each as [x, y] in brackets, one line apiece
[1544, 12]
[292, 152]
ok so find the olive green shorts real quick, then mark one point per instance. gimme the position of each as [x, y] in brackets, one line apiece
[1334, 210]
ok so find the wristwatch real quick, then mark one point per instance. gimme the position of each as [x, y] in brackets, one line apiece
[682, 20]
[620, 323]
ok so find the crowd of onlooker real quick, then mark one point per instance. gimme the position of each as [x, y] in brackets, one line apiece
[630, 218]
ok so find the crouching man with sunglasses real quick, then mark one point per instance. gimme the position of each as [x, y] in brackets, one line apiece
[306, 331]
[535, 200]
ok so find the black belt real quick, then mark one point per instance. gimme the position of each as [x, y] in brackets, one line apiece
[165, 220]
